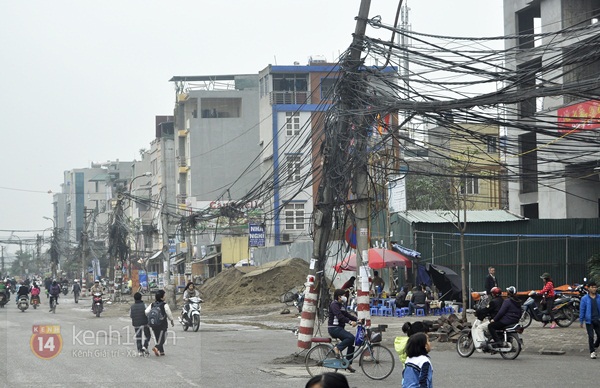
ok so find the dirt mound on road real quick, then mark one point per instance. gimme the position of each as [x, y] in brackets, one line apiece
[250, 286]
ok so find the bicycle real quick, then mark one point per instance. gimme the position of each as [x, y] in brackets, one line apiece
[53, 304]
[376, 361]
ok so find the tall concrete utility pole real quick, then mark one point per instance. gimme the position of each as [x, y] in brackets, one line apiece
[362, 206]
[170, 291]
[324, 209]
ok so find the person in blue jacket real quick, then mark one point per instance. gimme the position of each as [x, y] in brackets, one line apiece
[589, 310]
[418, 372]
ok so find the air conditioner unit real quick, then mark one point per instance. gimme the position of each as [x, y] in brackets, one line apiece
[285, 237]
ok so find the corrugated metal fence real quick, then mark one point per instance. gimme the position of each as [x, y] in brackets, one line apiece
[520, 251]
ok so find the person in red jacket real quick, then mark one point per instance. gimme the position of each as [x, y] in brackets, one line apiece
[548, 295]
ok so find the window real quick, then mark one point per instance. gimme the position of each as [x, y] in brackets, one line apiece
[528, 162]
[491, 144]
[294, 216]
[213, 108]
[292, 123]
[327, 86]
[293, 167]
[469, 186]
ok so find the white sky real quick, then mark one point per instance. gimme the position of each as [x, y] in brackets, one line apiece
[81, 81]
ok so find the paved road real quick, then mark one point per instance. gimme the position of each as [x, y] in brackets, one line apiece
[98, 352]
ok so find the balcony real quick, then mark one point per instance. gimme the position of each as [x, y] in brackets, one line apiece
[287, 97]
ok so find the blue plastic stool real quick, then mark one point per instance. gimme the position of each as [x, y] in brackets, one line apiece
[420, 312]
[385, 311]
[374, 311]
[438, 311]
[448, 310]
[402, 312]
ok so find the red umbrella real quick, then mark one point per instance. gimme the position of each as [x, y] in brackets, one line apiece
[378, 258]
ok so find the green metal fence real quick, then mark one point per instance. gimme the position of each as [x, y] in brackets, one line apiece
[520, 250]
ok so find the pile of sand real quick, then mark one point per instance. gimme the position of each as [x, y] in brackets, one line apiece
[247, 286]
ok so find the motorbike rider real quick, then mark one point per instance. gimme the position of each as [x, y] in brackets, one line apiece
[189, 291]
[35, 291]
[509, 314]
[96, 288]
[54, 291]
[3, 290]
[22, 291]
[548, 295]
[489, 312]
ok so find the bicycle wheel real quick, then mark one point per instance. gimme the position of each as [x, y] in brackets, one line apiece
[314, 359]
[378, 363]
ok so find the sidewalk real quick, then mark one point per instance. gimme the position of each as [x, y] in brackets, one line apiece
[570, 340]
[537, 339]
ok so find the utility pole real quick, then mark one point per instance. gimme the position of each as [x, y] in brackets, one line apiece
[362, 206]
[324, 208]
[85, 248]
[170, 291]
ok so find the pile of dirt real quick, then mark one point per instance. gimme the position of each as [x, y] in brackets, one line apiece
[251, 286]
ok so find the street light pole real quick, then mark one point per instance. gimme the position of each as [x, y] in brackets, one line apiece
[146, 174]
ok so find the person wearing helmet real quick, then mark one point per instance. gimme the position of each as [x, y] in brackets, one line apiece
[509, 314]
[54, 292]
[96, 288]
[22, 291]
[487, 312]
[548, 295]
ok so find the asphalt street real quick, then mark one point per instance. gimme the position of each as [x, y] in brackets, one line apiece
[246, 351]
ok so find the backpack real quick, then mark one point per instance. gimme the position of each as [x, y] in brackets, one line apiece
[156, 316]
[54, 289]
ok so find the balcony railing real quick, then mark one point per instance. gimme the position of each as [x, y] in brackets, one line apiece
[286, 97]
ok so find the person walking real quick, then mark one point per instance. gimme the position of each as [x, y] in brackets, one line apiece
[548, 295]
[491, 281]
[418, 372]
[139, 320]
[160, 331]
[589, 311]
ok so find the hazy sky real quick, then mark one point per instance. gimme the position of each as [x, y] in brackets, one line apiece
[81, 81]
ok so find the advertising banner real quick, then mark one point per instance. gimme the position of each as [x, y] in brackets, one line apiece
[579, 117]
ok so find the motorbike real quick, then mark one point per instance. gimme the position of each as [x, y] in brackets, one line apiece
[509, 349]
[294, 297]
[23, 303]
[564, 311]
[35, 301]
[577, 292]
[192, 316]
[97, 304]
[3, 299]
